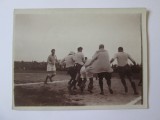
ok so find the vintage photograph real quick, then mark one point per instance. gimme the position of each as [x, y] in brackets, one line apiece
[80, 58]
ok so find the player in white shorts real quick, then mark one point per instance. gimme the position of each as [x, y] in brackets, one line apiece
[51, 66]
[84, 76]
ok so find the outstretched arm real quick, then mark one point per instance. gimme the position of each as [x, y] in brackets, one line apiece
[133, 62]
[62, 61]
[90, 62]
[132, 59]
[115, 56]
[93, 59]
[111, 60]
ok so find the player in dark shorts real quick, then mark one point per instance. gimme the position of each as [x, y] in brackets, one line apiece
[69, 62]
[124, 69]
[100, 65]
[79, 62]
[107, 76]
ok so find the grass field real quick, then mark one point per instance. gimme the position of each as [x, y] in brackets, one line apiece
[56, 93]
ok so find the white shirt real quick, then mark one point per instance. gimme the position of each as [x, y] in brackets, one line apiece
[100, 62]
[84, 73]
[69, 60]
[79, 58]
[122, 58]
[51, 59]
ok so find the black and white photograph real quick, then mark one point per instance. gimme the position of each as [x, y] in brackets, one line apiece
[80, 58]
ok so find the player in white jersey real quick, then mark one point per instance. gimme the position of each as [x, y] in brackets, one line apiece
[124, 69]
[79, 62]
[69, 62]
[51, 66]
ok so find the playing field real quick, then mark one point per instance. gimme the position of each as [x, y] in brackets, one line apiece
[29, 90]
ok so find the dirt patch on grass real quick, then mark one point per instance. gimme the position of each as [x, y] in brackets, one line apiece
[41, 96]
[56, 93]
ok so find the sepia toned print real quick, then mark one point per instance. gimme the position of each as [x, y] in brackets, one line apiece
[80, 59]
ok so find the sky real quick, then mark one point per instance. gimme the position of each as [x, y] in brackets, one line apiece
[36, 34]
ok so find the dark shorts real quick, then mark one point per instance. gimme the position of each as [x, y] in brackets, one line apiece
[78, 67]
[124, 71]
[105, 75]
[71, 71]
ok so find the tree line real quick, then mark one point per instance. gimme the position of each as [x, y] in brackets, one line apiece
[41, 66]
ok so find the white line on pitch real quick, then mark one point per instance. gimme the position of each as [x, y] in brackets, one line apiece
[134, 101]
[25, 84]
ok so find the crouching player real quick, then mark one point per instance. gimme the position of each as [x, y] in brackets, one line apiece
[84, 76]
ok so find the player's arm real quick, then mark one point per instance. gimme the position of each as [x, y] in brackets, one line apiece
[62, 61]
[73, 58]
[132, 60]
[49, 60]
[56, 59]
[83, 59]
[111, 60]
[95, 56]
[115, 56]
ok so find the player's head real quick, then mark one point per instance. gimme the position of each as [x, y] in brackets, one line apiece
[53, 51]
[101, 46]
[120, 49]
[79, 49]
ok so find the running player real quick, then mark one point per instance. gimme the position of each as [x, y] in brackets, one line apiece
[51, 66]
[124, 69]
[79, 62]
[85, 75]
[100, 64]
[69, 61]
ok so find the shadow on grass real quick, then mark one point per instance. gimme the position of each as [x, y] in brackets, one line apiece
[41, 97]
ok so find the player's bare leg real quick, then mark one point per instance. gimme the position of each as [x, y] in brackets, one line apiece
[53, 74]
[70, 87]
[46, 80]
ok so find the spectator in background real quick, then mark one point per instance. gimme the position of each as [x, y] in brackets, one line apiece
[124, 69]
